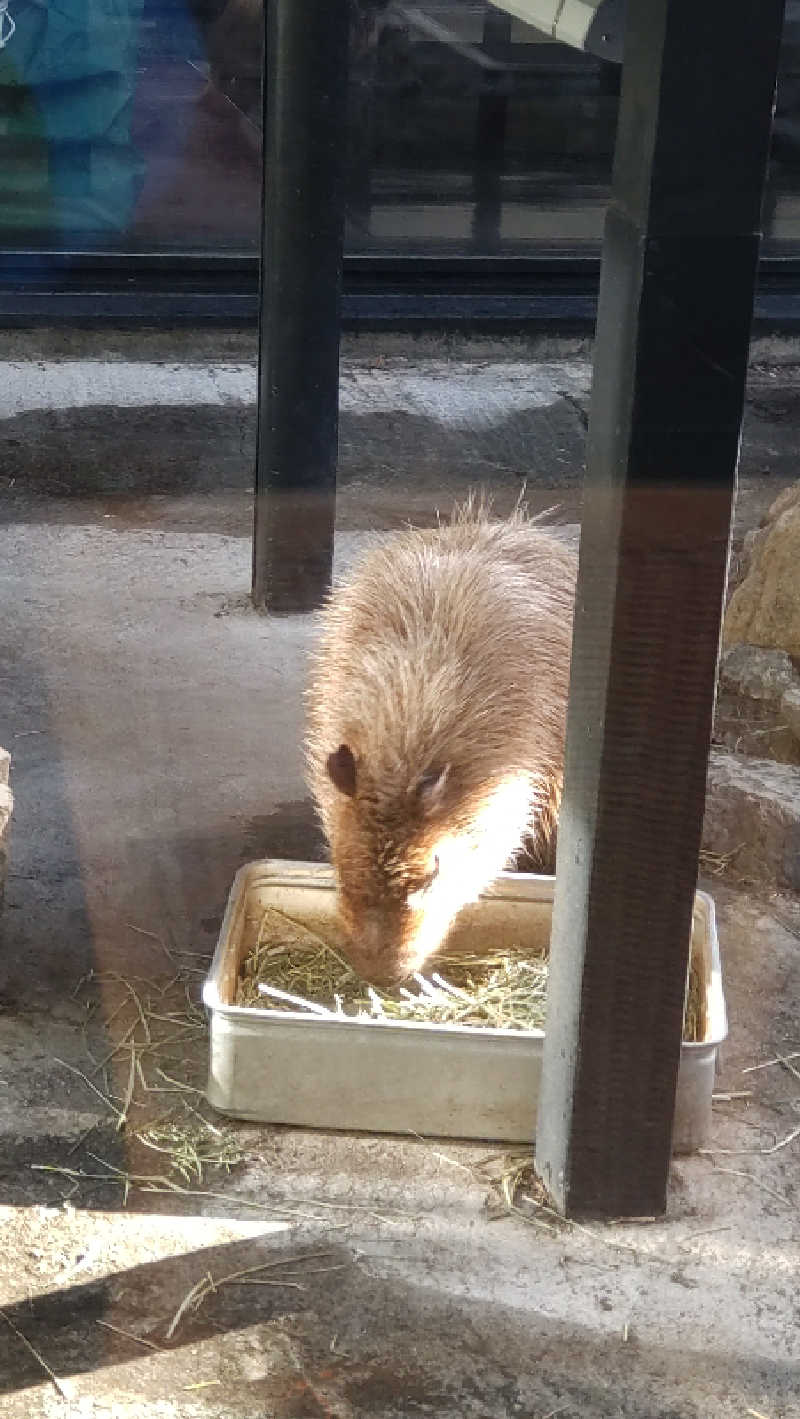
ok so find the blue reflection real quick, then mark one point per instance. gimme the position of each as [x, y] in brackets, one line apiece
[68, 81]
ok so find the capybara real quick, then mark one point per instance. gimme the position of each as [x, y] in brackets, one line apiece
[436, 720]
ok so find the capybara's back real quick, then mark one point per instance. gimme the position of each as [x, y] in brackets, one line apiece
[436, 725]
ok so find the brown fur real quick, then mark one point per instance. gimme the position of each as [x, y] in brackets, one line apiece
[437, 703]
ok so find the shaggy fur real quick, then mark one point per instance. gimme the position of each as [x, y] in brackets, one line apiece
[437, 703]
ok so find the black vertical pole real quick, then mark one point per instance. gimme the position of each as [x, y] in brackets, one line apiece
[679, 266]
[490, 137]
[360, 111]
[305, 101]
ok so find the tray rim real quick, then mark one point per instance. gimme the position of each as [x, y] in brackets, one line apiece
[509, 886]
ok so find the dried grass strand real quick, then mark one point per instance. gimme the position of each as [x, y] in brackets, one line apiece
[160, 1184]
[753, 1152]
[128, 1334]
[57, 1384]
[757, 1182]
[87, 1081]
[208, 1285]
[783, 1059]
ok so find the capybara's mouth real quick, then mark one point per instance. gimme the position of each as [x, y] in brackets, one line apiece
[387, 977]
[389, 980]
[385, 970]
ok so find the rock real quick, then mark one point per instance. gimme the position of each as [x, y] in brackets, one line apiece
[790, 497]
[742, 552]
[748, 715]
[764, 609]
[6, 807]
[790, 710]
[738, 566]
[753, 813]
[756, 673]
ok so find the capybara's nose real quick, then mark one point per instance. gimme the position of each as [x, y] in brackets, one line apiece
[376, 958]
[387, 975]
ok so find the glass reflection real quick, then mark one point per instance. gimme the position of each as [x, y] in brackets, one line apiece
[135, 125]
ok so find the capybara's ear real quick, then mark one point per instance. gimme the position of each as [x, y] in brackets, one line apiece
[341, 768]
[430, 786]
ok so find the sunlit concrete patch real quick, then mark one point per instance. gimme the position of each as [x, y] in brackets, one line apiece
[456, 393]
[76, 384]
[53, 1248]
[449, 392]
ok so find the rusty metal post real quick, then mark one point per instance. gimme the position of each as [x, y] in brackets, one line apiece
[679, 267]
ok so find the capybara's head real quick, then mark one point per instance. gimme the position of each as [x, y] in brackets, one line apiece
[409, 858]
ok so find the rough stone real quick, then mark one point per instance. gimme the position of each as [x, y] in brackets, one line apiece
[739, 562]
[744, 548]
[753, 813]
[6, 807]
[790, 710]
[786, 499]
[759, 674]
[749, 716]
[764, 609]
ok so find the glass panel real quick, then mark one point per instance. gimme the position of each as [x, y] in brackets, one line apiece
[135, 125]
[486, 137]
[131, 122]
[782, 204]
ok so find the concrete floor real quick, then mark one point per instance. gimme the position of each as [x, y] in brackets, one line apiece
[154, 722]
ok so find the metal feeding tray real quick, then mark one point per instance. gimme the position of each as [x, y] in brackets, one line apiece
[455, 1081]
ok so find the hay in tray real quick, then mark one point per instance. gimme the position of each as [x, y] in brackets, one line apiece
[292, 968]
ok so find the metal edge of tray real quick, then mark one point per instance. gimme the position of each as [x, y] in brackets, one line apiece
[717, 1007]
[518, 887]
